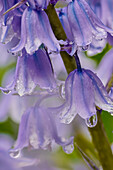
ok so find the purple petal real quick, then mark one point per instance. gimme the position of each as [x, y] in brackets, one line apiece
[38, 129]
[23, 40]
[35, 30]
[77, 19]
[23, 134]
[106, 63]
[32, 70]
[67, 112]
[45, 33]
[95, 20]
[81, 94]
[1, 5]
[65, 23]
[7, 163]
[17, 25]
[102, 99]
[40, 70]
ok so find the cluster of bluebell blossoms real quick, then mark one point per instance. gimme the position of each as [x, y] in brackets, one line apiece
[88, 28]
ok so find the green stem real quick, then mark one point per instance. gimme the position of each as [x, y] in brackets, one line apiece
[101, 144]
[58, 30]
[98, 132]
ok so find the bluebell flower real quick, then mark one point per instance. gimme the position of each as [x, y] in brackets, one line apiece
[32, 70]
[83, 91]
[38, 129]
[99, 8]
[35, 30]
[85, 25]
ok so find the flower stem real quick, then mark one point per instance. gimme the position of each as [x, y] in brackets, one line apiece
[98, 133]
[101, 144]
[58, 30]
[77, 62]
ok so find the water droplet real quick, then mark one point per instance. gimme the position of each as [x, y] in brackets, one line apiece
[111, 34]
[92, 121]
[6, 91]
[85, 48]
[14, 153]
[111, 114]
[62, 90]
[68, 148]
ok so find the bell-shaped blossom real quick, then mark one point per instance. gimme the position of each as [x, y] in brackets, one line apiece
[85, 25]
[84, 90]
[35, 30]
[105, 68]
[32, 70]
[38, 128]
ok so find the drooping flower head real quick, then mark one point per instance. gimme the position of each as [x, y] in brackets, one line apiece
[35, 30]
[83, 91]
[103, 9]
[38, 128]
[32, 70]
[85, 25]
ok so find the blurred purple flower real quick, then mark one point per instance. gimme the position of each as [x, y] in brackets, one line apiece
[38, 128]
[84, 90]
[35, 30]
[105, 68]
[32, 70]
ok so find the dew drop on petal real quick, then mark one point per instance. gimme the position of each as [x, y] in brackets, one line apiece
[62, 90]
[92, 121]
[68, 148]
[14, 154]
[85, 48]
[6, 91]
